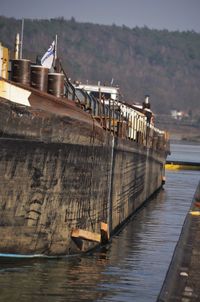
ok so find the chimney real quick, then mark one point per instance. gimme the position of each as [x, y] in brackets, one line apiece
[17, 44]
[146, 103]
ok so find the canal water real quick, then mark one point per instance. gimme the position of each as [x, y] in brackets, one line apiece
[131, 268]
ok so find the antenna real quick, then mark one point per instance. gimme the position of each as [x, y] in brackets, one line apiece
[22, 36]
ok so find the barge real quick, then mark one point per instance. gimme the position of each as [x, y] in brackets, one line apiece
[76, 162]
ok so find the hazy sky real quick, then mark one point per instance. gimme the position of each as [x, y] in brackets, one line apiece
[158, 14]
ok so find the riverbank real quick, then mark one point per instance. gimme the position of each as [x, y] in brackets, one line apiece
[182, 282]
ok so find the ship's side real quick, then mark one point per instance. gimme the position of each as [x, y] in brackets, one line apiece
[54, 178]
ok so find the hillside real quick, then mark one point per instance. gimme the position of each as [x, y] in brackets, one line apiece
[141, 61]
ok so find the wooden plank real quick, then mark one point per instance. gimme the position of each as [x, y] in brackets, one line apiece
[86, 235]
[104, 226]
[104, 233]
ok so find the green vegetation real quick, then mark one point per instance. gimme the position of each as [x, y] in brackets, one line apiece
[141, 61]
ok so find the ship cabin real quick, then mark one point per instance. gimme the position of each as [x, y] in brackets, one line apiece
[134, 122]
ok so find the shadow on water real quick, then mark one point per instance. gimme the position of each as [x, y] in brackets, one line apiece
[64, 279]
[131, 268]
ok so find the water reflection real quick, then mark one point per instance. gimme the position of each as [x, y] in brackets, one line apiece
[132, 268]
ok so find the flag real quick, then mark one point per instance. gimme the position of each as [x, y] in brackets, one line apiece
[47, 59]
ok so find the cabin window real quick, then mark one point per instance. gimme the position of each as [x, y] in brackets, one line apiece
[107, 96]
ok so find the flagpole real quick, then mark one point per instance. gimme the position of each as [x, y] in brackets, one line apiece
[56, 45]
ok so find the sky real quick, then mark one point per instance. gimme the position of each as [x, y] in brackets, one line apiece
[182, 15]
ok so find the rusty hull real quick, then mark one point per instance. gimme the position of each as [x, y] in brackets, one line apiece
[60, 170]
